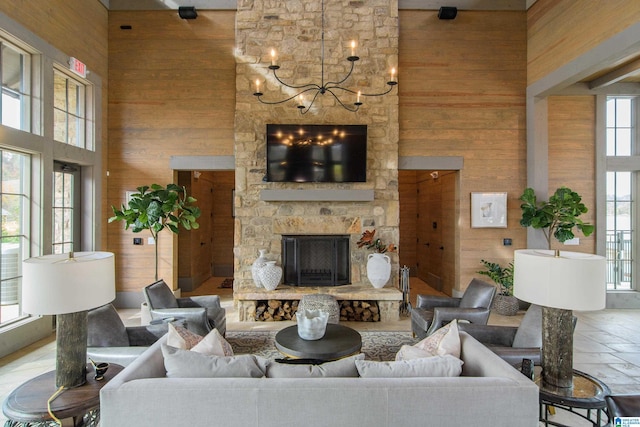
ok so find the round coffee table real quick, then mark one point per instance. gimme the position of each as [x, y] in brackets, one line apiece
[338, 342]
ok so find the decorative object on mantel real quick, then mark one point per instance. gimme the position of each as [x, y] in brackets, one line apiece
[312, 324]
[504, 302]
[324, 86]
[405, 305]
[378, 263]
[257, 265]
[270, 275]
[156, 208]
[558, 281]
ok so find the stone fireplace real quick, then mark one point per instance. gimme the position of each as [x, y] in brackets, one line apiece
[267, 211]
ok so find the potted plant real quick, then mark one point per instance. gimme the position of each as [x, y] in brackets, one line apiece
[557, 217]
[378, 263]
[504, 302]
[156, 208]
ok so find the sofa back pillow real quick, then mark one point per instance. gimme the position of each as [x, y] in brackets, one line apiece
[436, 366]
[340, 368]
[189, 364]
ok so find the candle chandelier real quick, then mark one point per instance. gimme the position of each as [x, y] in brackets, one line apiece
[312, 90]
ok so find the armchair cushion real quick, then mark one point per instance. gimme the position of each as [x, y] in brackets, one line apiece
[479, 294]
[160, 296]
[105, 328]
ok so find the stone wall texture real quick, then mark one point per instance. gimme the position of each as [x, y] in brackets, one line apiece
[294, 30]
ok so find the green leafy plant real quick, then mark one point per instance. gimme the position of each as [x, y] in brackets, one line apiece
[503, 276]
[155, 208]
[557, 217]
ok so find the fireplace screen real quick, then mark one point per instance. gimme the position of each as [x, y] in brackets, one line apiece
[316, 260]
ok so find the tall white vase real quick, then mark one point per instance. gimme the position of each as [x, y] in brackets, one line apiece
[257, 265]
[270, 275]
[378, 269]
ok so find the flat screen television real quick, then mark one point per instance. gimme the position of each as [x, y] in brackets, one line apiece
[316, 153]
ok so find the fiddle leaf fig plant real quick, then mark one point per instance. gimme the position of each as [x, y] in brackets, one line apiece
[155, 208]
[557, 217]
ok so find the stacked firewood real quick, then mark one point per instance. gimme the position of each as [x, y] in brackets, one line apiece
[359, 311]
[276, 310]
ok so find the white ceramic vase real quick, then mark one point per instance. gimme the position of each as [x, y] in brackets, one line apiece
[255, 267]
[312, 324]
[270, 275]
[378, 269]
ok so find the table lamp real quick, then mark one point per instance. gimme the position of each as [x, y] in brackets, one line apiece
[559, 282]
[68, 285]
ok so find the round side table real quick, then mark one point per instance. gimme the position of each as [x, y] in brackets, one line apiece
[27, 404]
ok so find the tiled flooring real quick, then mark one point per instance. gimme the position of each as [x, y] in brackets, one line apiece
[606, 344]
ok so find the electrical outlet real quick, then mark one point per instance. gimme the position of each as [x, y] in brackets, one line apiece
[137, 240]
[572, 242]
[507, 242]
[151, 241]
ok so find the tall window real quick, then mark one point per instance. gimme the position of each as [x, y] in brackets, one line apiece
[15, 66]
[69, 113]
[65, 224]
[14, 243]
[621, 241]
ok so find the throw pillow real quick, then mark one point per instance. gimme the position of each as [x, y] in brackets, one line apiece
[435, 366]
[182, 338]
[340, 368]
[213, 344]
[445, 340]
[188, 364]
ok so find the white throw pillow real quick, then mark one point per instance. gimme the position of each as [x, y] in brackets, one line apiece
[182, 338]
[435, 366]
[213, 344]
[444, 341]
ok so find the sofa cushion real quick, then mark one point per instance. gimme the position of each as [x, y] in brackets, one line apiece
[189, 364]
[340, 368]
[435, 366]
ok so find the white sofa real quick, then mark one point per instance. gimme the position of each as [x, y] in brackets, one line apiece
[489, 393]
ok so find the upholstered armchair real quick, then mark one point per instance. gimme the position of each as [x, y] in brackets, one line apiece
[432, 311]
[108, 340]
[201, 313]
[512, 343]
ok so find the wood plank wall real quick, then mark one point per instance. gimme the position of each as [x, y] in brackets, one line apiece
[561, 30]
[572, 156]
[462, 93]
[171, 93]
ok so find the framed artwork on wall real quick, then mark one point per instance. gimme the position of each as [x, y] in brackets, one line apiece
[488, 210]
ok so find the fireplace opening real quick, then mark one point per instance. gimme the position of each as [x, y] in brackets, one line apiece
[316, 260]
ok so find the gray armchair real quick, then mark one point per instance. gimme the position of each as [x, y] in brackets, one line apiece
[108, 340]
[201, 313]
[512, 343]
[432, 312]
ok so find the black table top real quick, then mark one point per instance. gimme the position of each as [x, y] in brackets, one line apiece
[338, 341]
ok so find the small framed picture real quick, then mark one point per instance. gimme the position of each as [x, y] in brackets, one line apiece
[488, 210]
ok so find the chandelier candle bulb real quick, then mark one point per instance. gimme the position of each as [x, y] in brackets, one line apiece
[257, 85]
[273, 57]
[393, 75]
[353, 48]
[358, 97]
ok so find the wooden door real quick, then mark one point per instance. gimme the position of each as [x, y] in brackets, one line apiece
[429, 244]
[203, 237]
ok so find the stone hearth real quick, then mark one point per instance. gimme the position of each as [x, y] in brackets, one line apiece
[388, 298]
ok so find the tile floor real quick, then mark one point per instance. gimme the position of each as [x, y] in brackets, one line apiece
[606, 344]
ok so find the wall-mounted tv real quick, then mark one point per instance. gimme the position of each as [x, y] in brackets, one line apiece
[316, 153]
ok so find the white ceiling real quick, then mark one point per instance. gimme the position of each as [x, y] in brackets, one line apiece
[402, 4]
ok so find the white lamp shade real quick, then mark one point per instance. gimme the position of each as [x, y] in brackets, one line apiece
[572, 281]
[58, 284]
